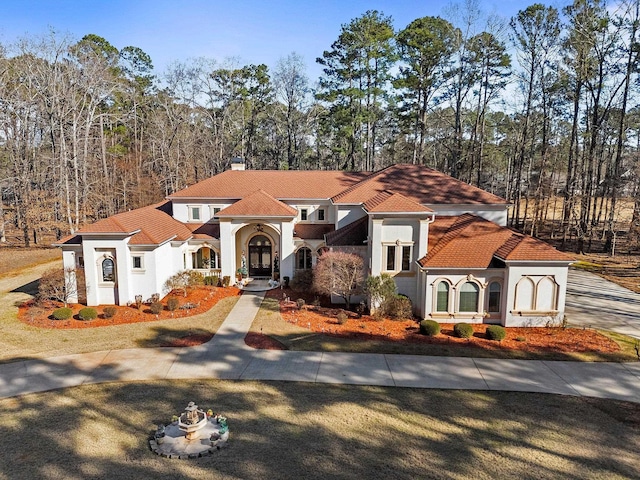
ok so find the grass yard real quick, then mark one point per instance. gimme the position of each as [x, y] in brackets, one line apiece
[14, 259]
[295, 431]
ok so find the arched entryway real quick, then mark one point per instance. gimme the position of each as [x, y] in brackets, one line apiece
[260, 256]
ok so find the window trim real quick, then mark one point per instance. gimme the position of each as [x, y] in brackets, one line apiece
[304, 214]
[477, 295]
[321, 213]
[500, 296]
[133, 263]
[191, 209]
[310, 258]
[104, 281]
[437, 292]
[399, 248]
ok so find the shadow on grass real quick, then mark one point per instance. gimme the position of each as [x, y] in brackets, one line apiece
[298, 430]
[30, 288]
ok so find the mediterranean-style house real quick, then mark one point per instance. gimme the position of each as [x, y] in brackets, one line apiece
[444, 242]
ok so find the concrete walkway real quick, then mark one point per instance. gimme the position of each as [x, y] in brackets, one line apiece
[593, 301]
[226, 356]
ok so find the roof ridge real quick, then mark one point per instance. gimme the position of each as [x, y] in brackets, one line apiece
[361, 182]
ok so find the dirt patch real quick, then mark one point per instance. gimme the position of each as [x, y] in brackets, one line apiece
[197, 301]
[323, 320]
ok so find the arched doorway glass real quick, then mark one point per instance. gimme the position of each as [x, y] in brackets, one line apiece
[260, 256]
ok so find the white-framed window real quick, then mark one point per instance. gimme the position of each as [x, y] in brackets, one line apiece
[213, 211]
[442, 296]
[304, 214]
[321, 215]
[108, 270]
[194, 214]
[469, 297]
[137, 262]
[397, 257]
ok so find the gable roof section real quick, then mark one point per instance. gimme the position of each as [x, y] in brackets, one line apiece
[421, 184]
[258, 204]
[233, 184]
[469, 241]
[147, 225]
[391, 202]
[355, 233]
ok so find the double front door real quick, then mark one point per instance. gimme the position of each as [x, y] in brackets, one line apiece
[260, 256]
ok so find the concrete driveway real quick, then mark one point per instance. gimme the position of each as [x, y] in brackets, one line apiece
[596, 302]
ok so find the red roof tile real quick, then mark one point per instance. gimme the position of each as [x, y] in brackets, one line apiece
[421, 184]
[148, 225]
[310, 231]
[355, 233]
[469, 241]
[277, 183]
[390, 202]
[258, 204]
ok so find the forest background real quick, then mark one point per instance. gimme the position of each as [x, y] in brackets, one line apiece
[541, 109]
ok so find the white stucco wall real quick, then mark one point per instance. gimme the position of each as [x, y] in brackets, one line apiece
[346, 214]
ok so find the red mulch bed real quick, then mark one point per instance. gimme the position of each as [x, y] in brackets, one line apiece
[202, 298]
[322, 319]
[263, 342]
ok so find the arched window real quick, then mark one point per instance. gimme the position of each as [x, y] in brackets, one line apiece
[108, 274]
[495, 290]
[303, 259]
[546, 295]
[442, 297]
[469, 297]
[524, 294]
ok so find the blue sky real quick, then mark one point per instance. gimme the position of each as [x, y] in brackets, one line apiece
[254, 31]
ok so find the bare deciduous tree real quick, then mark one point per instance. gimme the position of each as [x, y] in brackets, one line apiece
[339, 273]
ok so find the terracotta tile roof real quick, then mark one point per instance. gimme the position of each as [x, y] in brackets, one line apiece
[277, 183]
[204, 230]
[258, 204]
[310, 231]
[391, 202]
[469, 241]
[421, 184]
[149, 226]
[355, 233]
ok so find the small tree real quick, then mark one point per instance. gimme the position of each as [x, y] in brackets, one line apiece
[339, 273]
[380, 289]
[60, 284]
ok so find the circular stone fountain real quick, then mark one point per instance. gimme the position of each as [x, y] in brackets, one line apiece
[194, 434]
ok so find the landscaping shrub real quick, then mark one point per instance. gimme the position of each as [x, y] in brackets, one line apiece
[398, 307]
[87, 313]
[342, 318]
[300, 302]
[286, 281]
[226, 281]
[496, 332]
[463, 330]
[212, 280]
[109, 312]
[172, 303]
[302, 281]
[429, 327]
[62, 313]
[156, 307]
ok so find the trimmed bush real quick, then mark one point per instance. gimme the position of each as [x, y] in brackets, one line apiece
[463, 330]
[398, 307]
[62, 313]
[226, 280]
[212, 280]
[109, 312]
[87, 313]
[496, 332]
[172, 303]
[429, 327]
[156, 307]
[300, 302]
[342, 318]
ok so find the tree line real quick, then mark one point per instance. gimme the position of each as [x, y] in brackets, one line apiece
[541, 109]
